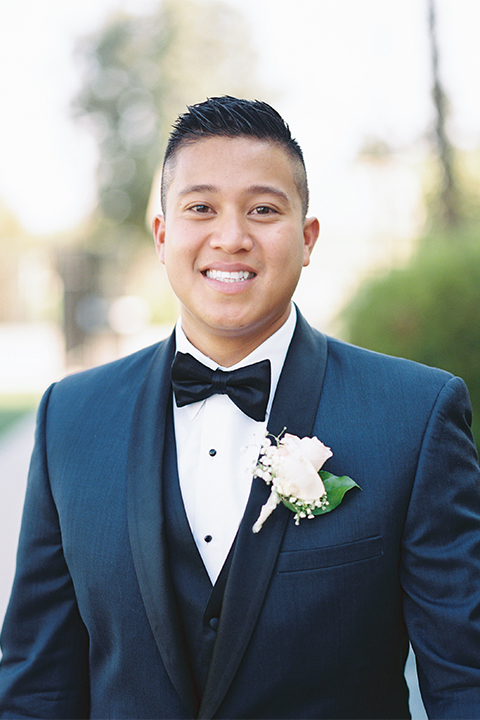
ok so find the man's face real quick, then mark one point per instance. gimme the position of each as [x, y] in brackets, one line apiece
[233, 239]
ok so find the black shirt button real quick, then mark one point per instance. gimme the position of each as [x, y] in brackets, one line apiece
[214, 623]
[212, 452]
[208, 538]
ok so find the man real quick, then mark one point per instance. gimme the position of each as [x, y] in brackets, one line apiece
[141, 590]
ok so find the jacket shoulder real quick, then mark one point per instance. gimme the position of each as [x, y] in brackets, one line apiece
[366, 362]
[107, 388]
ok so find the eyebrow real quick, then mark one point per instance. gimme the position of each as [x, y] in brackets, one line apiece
[252, 190]
[197, 188]
[268, 190]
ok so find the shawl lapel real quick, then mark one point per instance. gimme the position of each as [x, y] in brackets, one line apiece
[146, 520]
[254, 557]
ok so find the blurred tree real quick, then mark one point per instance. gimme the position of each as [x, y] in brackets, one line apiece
[448, 192]
[139, 73]
[429, 309]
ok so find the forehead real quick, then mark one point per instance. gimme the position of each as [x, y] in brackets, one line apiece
[230, 163]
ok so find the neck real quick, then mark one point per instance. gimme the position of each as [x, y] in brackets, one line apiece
[228, 349]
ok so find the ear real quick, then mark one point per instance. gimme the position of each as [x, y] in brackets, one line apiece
[159, 236]
[311, 231]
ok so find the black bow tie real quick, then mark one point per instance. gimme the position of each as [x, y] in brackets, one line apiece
[248, 387]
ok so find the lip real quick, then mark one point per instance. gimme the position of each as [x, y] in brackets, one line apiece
[229, 288]
[228, 267]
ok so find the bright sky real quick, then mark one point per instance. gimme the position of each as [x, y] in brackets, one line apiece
[338, 70]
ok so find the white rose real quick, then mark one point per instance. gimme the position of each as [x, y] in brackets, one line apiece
[292, 465]
[297, 470]
[312, 447]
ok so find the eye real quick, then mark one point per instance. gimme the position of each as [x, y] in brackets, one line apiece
[200, 208]
[264, 210]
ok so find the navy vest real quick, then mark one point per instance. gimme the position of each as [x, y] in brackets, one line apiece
[199, 604]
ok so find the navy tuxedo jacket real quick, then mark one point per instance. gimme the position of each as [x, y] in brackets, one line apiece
[316, 618]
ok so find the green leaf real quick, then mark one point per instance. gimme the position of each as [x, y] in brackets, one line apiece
[336, 487]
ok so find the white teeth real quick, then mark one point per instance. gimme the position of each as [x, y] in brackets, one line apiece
[229, 277]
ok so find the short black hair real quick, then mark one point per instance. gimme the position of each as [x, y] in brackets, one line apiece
[228, 116]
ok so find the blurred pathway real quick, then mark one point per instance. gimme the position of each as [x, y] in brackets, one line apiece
[15, 449]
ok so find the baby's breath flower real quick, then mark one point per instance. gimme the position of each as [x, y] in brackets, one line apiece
[292, 467]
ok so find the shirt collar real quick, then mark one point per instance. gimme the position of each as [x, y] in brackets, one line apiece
[274, 348]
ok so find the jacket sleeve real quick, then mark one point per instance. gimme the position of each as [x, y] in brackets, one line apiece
[440, 570]
[44, 670]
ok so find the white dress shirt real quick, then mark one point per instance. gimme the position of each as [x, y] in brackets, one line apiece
[217, 448]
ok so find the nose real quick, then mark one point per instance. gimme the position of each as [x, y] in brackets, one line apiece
[231, 234]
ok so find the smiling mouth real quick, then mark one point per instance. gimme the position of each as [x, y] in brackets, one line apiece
[229, 277]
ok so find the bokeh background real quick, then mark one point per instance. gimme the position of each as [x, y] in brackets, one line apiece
[383, 96]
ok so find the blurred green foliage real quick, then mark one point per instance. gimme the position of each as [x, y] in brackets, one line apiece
[139, 73]
[429, 310]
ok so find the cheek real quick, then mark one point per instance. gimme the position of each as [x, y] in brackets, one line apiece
[176, 253]
[179, 261]
[183, 245]
[287, 258]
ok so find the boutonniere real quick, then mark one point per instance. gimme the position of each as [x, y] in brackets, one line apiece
[292, 467]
